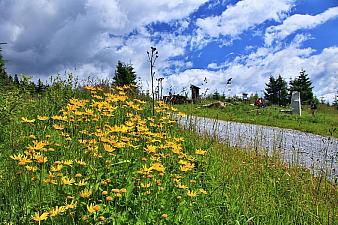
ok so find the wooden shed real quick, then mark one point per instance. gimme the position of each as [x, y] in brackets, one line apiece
[195, 93]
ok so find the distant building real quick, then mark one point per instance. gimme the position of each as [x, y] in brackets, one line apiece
[245, 96]
[195, 92]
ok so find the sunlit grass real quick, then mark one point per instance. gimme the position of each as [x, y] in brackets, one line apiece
[100, 157]
[323, 123]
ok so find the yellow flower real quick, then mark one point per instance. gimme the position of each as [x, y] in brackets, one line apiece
[85, 218]
[108, 148]
[203, 191]
[81, 162]
[58, 127]
[181, 114]
[186, 167]
[25, 120]
[63, 118]
[200, 152]
[38, 145]
[109, 198]
[147, 185]
[85, 193]
[115, 190]
[181, 186]
[191, 193]
[31, 168]
[93, 208]
[82, 183]
[38, 218]
[182, 162]
[57, 210]
[67, 181]
[158, 167]
[67, 162]
[57, 168]
[24, 161]
[40, 158]
[49, 181]
[17, 157]
[42, 118]
[101, 218]
[118, 195]
[151, 149]
[72, 205]
[176, 148]
[123, 190]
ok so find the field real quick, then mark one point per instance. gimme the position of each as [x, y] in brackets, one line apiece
[99, 156]
[325, 121]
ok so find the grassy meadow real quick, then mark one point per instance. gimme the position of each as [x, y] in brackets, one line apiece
[98, 156]
[325, 121]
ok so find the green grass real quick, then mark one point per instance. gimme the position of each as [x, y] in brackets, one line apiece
[242, 187]
[323, 123]
[251, 189]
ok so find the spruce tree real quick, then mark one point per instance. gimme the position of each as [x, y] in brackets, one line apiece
[302, 84]
[282, 91]
[216, 95]
[3, 75]
[40, 87]
[276, 91]
[271, 92]
[124, 74]
[16, 80]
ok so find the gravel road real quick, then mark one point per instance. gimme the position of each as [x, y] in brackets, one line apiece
[317, 153]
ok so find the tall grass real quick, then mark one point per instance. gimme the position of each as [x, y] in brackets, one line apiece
[99, 157]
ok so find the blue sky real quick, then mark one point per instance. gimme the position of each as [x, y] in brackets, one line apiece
[197, 40]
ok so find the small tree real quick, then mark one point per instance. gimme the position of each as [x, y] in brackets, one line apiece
[282, 91]
[216, 95]
[335, 102]
[271, 90]
[276, 91]
[40, 87]
[4, 79]
[303, 84]
[124, 74]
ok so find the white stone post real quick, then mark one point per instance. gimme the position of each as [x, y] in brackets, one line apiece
[296, 103]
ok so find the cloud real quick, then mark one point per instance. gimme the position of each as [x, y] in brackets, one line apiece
[297, 22]
[45, 37]
[244, 15]
[251, 72]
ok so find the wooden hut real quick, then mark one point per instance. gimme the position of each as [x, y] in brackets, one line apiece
[195, 93]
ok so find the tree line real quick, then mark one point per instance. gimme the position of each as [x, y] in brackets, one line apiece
[278, 92]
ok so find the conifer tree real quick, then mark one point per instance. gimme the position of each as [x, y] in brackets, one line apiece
[124, 74]
[303, 84]
[276, 91]
[216, 95]
[271, 90]
[5, 80]
[282, 91]
[3, 75]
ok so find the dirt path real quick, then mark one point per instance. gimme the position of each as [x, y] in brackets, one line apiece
[317, 153]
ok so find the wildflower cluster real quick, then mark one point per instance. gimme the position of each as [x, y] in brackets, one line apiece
[106, 159]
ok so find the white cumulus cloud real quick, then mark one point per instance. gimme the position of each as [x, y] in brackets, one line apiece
[297, 22]
[244, 15]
